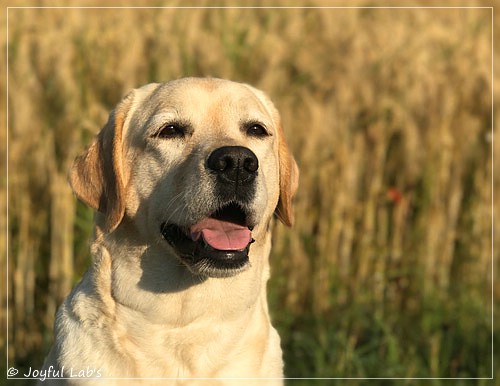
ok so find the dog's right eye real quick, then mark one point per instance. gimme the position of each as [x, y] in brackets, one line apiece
[171, 130]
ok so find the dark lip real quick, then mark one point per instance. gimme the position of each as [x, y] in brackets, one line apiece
[200, 257]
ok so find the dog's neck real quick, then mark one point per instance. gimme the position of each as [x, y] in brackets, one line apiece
[146, 299]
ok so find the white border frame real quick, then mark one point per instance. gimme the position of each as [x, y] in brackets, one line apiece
[258, 7]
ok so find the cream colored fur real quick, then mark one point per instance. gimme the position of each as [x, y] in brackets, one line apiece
[139, 312]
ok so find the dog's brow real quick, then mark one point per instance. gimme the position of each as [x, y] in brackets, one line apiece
[159, 119]
[256, 119]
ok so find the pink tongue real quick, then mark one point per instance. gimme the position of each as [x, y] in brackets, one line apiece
[222, 235]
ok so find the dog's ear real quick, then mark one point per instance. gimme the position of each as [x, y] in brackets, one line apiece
[289, 180]
[98, 176]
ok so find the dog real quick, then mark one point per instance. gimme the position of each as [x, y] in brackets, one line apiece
[185, 179]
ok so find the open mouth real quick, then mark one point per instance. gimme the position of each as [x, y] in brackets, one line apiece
[216, 246]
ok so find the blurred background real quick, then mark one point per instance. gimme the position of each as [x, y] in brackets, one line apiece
[388, 270]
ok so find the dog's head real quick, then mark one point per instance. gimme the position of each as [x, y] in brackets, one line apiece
[199, 164]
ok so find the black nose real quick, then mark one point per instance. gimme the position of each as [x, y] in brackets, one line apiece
[234, 165]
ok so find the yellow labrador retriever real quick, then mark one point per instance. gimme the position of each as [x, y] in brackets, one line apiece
[185, 178]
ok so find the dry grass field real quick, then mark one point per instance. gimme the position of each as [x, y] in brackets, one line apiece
[388, 270]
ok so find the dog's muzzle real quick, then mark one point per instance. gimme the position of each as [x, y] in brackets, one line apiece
[218, 244]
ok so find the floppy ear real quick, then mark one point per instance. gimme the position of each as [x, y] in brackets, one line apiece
[289, 180]
[97, 176]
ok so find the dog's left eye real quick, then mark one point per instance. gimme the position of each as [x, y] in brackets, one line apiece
[256, 130]
[171, 131]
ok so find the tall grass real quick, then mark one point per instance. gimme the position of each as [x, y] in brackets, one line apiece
[387, 272]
